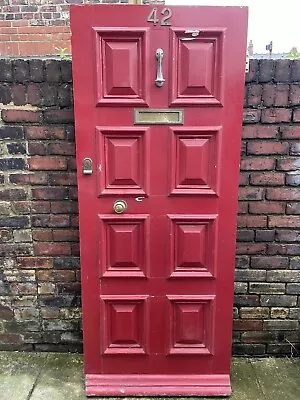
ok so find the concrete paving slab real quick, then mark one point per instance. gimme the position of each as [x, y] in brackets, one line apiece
[245, 386]
[61, 378]
[18, 374]
[279, 378]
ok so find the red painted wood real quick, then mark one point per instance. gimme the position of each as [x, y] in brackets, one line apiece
[157, 281]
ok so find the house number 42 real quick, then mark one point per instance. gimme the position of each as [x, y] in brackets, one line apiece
[165, 20]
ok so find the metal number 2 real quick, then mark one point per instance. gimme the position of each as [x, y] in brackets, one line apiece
[167, 14]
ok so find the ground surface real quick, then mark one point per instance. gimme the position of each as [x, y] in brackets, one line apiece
[51, 376]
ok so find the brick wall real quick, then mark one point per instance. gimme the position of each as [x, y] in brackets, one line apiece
[39, 260]
[40, 27]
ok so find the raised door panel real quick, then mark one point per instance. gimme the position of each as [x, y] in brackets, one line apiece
[191, 324]
[197, 67]
[123, 246]
[124, 324]
[121, 70]
[122, 161]
[192, 245]
[195, 160]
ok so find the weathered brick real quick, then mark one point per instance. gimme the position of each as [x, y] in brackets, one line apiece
[269, 262]
[264, 287]
[273, 300]
[66, 263]
[296, 115]
[257, 163]
[267, 179]
[64, 116]
[267, 147]
[286, 221]
[295, 263]
[12, 115]
[242, 261]
[276, 115]
[245, 235]
[266, 207]
[12, 163]
[283, 276]
[260, 131]
[6, 70]
[34, 95]
[250, 248]
[47, 163]
[35, 262]
[252, 221]
[16, 148]
[283, 70]
[252, 74]
[250, 193]
[279, 313]
[240, 287]
[21, 70]
[37, 148]
[284, 235]
[292, 178]
[49, 94]
[245, 275]
[36, 69]
[293, 288]
[264, 235]
[288, 164]
[247, 325]
[11, 132]
[64, 95]
[251, 116]
[280, 325]
[259, 337]
[50, 193]
[66, 70]
[283, 194]
[45, 132]
[5, 93]
[243, 207]
[12, 194]
[254, 95]
[254, 312]
[19, 95]
[64, 148]
[290, 131]
[266, 70]
[65, 235]
[53, 71]
[51, 220]
[38, 178]
[54, 249]
[246, 300]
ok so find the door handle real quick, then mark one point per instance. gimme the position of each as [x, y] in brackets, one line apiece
[159, 81]
[87, 166]
[119, 206]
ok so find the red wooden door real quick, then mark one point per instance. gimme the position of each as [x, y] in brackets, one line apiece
[157, 280]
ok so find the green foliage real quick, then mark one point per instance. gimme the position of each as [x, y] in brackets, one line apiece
[293, 54]
[62, 53]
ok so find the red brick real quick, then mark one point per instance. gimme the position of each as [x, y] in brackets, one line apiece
[267, 178]
[251, 248]
[21, 116]
[44, 132]
[38, 178]
[283, 194]
[260, 131]
[284, 221]
[35, 262]
[257, 163]
[247, 325]
[254, 95]
[288, 164]
[295, 94]
[65, 235]
[243, 207]
[282, 95]
[40, 207]
[47, 163]
[266, 207]
[64, 148]
[244, 179]
[59, 116]
[69, 179]
[283, 249]
[56, 275]
[275, 115]
[268, 95]
[290, 131]
[62, 207]
[251, 193]
[45, 235]
[252, 221]
[50, 193]
[53, 249]
[267, 147]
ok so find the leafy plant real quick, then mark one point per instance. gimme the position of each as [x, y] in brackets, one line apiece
[293, 54]
[62, 52]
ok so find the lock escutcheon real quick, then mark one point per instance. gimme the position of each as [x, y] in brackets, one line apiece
[119, 206]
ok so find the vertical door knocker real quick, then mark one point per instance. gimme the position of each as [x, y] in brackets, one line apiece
[159, 81]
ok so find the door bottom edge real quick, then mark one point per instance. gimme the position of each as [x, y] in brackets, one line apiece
[157, 385]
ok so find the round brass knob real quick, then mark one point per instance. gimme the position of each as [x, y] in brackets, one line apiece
[120, 206]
